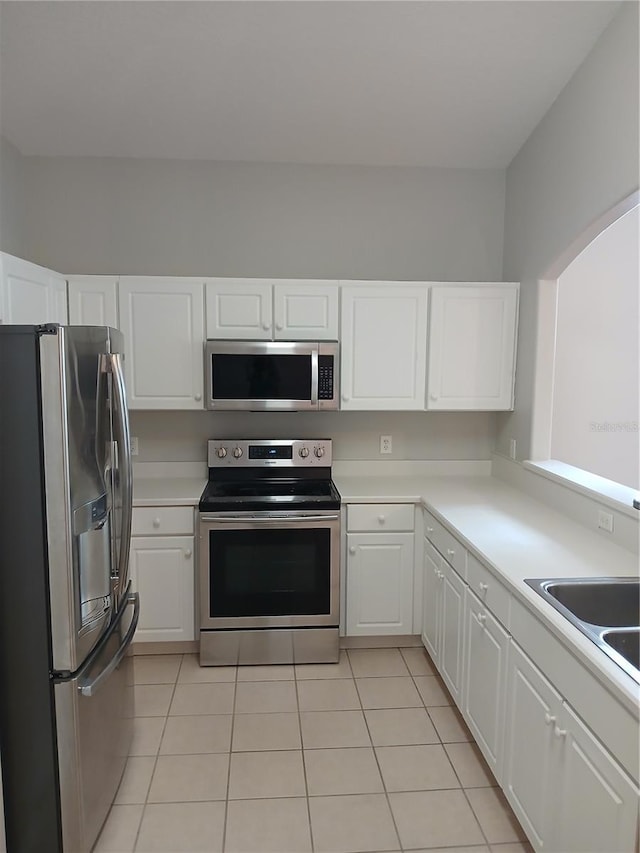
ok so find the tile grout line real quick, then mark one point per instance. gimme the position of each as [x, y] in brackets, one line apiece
[304, 763]
[157, 755]
[375, 756]
[230, 753]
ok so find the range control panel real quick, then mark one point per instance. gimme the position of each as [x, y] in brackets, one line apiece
[276, 453]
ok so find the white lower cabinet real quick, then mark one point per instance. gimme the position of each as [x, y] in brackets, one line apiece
[532, 714]
[443, 618]
[568, 792]
[379, 583]
[162, 572]
[379, 574]
[485, 687]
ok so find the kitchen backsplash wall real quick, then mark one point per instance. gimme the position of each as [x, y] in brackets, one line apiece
[182, 436]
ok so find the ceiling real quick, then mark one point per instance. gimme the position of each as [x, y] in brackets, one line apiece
[423, 83]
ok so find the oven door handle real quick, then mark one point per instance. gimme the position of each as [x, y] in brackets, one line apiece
[273, 519]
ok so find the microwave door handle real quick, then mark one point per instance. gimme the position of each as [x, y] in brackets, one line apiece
[123, 439]
[314, 376]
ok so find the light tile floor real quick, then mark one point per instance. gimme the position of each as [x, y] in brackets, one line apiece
[365, 755]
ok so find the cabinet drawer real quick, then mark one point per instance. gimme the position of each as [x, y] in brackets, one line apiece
[489, 589]
[380, 517]
[448, 545]
[162, 520]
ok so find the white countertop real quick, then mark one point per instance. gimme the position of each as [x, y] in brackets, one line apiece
[167, 491]
[514, 535]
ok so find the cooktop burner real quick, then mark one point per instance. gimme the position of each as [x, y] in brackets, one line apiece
[269, 475]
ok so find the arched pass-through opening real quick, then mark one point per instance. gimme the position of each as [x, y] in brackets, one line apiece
[546, 352]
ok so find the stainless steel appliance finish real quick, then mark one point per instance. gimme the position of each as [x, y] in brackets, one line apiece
[269, 536]
[271, 375]
[606, 610]
[67, 613]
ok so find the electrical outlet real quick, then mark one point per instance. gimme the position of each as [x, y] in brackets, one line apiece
[512, 448]
[134, 445]
[605, 521]
[386, 444]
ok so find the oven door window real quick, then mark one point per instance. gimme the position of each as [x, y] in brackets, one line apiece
[270, 572]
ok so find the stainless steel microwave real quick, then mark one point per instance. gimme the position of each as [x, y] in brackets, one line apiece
[271, 375]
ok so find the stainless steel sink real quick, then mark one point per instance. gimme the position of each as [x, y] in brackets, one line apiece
[626, 642]
[607, 610]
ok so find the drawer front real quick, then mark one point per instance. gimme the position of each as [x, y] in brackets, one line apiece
[446, 543]
[162, 520]
[489, 589]
[370, 517]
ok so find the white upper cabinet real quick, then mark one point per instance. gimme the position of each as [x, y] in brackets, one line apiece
[93, 300]
[255, 309]
[162, 320]
[32, 294]
[383, 346]
[239, 308]
[472, 338]
[305, 311]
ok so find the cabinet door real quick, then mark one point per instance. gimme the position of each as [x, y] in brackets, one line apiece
[431, 597]
[383, 346]
[93, 300]
[239, 308]
[597, 806]
[32, 294]
[305, 311]
[472, 335]
[529, 780]
[162, 322]
[162, 571]
[379, 583]
[485, 689]
[452, 630]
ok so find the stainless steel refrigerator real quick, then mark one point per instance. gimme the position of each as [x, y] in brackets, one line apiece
[67, 614]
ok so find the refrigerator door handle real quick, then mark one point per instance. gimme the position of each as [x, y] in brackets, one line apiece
[123, 439]
[90, 688]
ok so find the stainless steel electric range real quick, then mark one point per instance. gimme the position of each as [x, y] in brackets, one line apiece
[269, 553]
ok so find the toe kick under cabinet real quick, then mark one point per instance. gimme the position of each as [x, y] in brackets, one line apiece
[162, 571]
[379, 576]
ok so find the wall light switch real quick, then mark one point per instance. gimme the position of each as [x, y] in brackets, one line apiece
[134, 445]
[386, 444]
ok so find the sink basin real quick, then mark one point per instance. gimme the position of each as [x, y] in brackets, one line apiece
[608, 602]
[626, 642]
[607, 610]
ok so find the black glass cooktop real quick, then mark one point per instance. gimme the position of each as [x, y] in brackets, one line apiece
[269, 494]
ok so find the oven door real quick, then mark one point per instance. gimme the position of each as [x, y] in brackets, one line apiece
[269, 569]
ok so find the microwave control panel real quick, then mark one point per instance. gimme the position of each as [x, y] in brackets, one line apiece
[325, 377]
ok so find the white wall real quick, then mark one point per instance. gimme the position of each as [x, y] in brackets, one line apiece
[182, 436]
[597, 375]
[580, 160]
[170, 217]
[13, 236]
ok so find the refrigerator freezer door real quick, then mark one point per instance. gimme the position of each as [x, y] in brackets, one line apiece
[78, 446]
[94, 714]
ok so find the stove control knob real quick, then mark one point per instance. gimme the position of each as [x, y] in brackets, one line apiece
[319, 452]
[221, 452]
[304, 452]
[237, 452]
